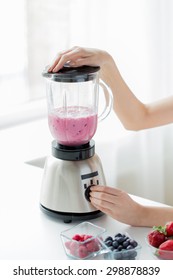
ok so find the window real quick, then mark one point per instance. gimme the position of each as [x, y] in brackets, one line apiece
[13, 50]
[31, 32]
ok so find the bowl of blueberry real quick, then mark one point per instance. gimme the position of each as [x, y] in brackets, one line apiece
[121, 246]
[83, 241]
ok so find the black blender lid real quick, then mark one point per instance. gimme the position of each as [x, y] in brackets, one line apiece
[73, 74]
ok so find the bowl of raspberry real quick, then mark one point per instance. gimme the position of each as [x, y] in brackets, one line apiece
[83, 241]
[160, 241]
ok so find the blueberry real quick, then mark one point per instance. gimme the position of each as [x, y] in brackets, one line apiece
[108, 243]
[126, 243]
[133, 243]
[109, 238]
[119, 239]
[126, 238]
[118, 235]
[120, 247]
[115, 244]
[129, 247]
[123, 239]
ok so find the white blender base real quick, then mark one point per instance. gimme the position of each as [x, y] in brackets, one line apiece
[69, 173]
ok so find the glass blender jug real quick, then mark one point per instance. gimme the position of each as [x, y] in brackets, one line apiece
[73, 166]
[72, 99]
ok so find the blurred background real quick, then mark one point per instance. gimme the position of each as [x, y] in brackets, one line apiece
[138, 34]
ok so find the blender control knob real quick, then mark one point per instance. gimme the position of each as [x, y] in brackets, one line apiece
[87, 192]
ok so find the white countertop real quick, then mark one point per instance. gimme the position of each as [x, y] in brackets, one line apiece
[26, 232]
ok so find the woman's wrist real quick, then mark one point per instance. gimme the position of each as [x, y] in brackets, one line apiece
[109, 72]
[139, 216]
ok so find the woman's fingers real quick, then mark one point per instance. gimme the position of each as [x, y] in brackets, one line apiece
[101, 196]
[106, 189]
[76, 56]
[105, 207]
[101, 203]
[64, 57]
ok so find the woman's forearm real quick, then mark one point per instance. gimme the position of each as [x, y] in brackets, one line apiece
[131, 112]
[134, 114]
[150, 216]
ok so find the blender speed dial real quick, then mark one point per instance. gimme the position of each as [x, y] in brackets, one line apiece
[87, 192]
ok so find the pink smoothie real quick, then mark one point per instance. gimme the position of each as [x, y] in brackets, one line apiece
[73, 126]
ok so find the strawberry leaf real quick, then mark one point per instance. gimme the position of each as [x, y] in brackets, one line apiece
[161, 229]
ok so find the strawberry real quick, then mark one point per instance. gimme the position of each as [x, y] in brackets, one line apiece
[156, 237]
[169, 228]
[167, 245]
[165, 250]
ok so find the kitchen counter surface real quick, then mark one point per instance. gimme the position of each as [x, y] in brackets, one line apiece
[26, 232]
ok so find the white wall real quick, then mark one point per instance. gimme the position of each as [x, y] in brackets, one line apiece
[139, 35]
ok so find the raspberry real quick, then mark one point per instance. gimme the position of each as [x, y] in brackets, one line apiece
[77, 237]
[74, 248]
[82, 251]
[92, 246]
[86, 236]
[67, 244]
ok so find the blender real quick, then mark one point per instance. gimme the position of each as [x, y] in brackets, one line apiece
[73, 166]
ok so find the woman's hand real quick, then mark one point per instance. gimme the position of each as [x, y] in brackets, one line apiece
[117, 204]
[78, 56]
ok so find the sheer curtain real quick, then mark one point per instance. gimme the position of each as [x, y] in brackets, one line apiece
[139, 35]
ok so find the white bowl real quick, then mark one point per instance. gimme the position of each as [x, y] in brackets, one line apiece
[160, 254]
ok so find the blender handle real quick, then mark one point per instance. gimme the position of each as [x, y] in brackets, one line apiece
[109, 101]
